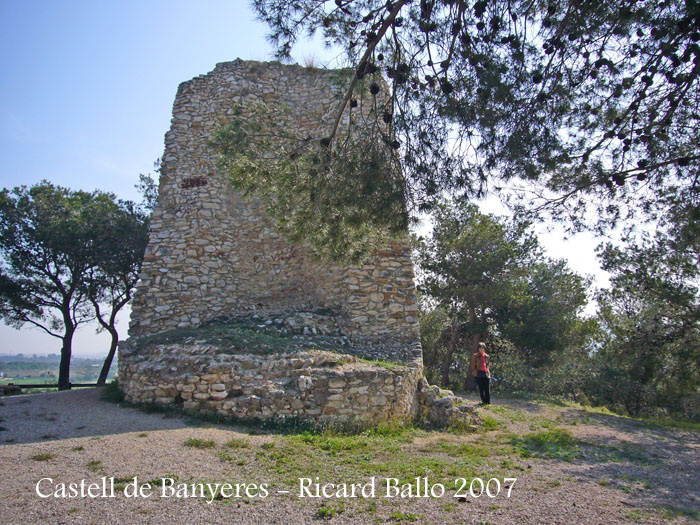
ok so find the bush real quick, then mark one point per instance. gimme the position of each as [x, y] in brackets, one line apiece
[111, 392]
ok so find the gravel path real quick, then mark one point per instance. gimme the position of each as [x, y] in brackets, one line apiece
[73, 414]
[73, 436]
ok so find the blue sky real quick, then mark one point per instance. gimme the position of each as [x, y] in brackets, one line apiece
[87, 87]
[86, 92]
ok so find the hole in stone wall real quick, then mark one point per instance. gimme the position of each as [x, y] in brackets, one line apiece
[193, 182]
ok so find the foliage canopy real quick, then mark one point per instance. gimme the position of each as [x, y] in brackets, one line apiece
[484, 278]
[62, 254]
[650, 351]
[572, 106]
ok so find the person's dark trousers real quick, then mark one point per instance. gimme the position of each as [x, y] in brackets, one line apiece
[483, 383]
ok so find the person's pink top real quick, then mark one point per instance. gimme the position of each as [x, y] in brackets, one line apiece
[482, 366]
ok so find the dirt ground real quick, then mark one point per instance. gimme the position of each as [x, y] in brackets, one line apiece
[571, 464]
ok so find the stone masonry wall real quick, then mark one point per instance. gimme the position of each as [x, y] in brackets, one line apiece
[213, 253]
[313, 386]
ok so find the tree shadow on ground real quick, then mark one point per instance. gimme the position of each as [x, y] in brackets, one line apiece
[77, 413]
[531, 407]
[644, 478]
[653, 468]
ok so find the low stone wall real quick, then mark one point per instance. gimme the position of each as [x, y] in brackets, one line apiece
[313, 386]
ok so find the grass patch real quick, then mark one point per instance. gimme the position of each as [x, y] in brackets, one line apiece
[671, 512]
[490, 423]
[237, 443]
[334, 445]
[95, 465]
[508, 465]
[674, 423]
[120, 482]
[199, 443]
[392, 429]
[554, 443]
[244, 336]
[326, 512]
[249, 336]
[509, 413]
[228, 456]
[649, 422]
[160, 481]
[43, 456]
[387, 452]
[371, 507]
[640, 516]
[474, 450]
[78, 448]
[389, 365]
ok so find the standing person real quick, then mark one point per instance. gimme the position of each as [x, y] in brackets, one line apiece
[480, 370]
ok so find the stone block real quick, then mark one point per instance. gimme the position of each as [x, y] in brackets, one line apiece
[336, 383]
[378, 400]
[219, 395]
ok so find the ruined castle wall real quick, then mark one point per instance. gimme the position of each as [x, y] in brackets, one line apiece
[213, 253]
[304, 386]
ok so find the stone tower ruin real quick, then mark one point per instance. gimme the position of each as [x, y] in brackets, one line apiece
[215, 259]
[212, 252]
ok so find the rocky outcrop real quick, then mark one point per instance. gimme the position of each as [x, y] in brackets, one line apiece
[439, 408]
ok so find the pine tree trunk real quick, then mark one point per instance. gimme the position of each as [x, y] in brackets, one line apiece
[64, 367]
[110, 356]
[447, 362]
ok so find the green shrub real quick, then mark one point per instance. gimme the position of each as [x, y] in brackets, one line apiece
[43, 456]
[199, 443]
[326, 512]
[554, 443]
[237, 443]
[111, 392]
